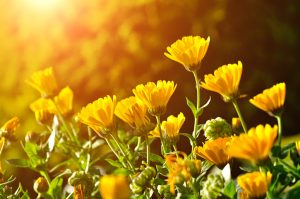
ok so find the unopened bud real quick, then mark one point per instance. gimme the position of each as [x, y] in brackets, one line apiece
[41, 185]
[216, 128]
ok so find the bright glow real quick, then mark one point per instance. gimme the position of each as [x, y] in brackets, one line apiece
[43, 4]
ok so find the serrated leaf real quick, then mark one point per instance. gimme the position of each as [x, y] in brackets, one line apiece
[19, 163]
[192, 106]
[32, 150]
[229, 189]
[114, 163]
[55, 188]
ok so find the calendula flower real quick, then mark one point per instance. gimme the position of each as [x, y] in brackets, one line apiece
[8, 129]
[215, 151]
[270, 100]
[254, 145]
[255, 184]
[99, 114]
[133, 112]
[64, 101]
[44, 81]
[170, 128]
[297, 143]
[155, 96]
[114, 187]
[188, 51]
[44, 110]
[224, 81]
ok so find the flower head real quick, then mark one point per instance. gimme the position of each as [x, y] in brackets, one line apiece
[188, 51]
[44, 110]
[170, 128]
[132, 112]
[224, 81]
[155, 96]
[64, 101]
[99, 114]
[114, 187]
[270, 100]
[215, 151]
[213, 186]
[255, 184]
[44, 81]
[8, 129]
[217, 127]
[297, 144]
[256, 144]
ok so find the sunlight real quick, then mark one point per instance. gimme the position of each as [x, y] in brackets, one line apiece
[43, 4]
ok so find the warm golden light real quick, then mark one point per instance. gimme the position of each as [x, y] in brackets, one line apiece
[43, 4]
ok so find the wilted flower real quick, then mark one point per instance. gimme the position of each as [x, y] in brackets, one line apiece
[215, 151]
[44, 110]
[224, 81]
[270, 100]
[216, 128]
[64, 101]
[8, 129]
[132, 112]
[114, 187]
[188, 51]
[99, 114]
[255, 184]
[254, 145]
[44, 81]
[155, 96]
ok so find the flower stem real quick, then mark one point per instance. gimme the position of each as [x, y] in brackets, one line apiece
[147, 149]
[278, 117]
[116, 154]
[197, 102]
[237, 109]
[160, 135]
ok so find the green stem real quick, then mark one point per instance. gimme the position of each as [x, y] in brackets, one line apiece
[237, 109]
[176, 151]
[278, 117]
[197, 102]
[290, 168]
[147, 149]
[161, 135]
[116, 154]
[122, 151]
[46, 176]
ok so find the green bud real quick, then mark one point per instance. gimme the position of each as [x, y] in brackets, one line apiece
[136, 189]
[216, 128]
[41, 185]
[212, 187]
[84, 179]
[194, 167]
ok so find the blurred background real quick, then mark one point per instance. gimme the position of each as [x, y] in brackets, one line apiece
[105, 47]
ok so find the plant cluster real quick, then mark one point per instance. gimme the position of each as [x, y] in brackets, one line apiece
[233, 162]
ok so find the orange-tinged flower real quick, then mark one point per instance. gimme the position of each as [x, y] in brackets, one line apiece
[215, 151]
[155, 96]
[224, 81]
[270, 100]
[254, 145]
[132, 112]
[99, 115]
[44, 110]
[64, 101]
[10, 126]
[255, 184]
[114, 187]
[297, 143]
[44, 81]
[188, 51]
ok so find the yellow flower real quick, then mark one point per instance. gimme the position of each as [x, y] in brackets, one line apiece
[254, 145]
[255, 184]
[189, 51]
[44, 81]
[297, 143]
[270, 100]
[99, 114]
[224, 81]
[132, 112]
[114, 187]
[64, 101]
[155, 96]
[215, 151]
[170, 128]
[44, 110]
[8, 129]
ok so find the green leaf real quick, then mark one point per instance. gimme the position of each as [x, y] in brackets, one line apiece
[154, 157]
[199, 129]
[19, 162]
[55, 188]
[32, 151]
[114, 163]
[25, 196]
[294, 193]
[229, 190]
[192, 106]
[121, 171]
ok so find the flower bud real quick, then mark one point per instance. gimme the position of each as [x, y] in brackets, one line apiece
[41, 185]
[212, 187]
[216, 128]
[194, 167]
